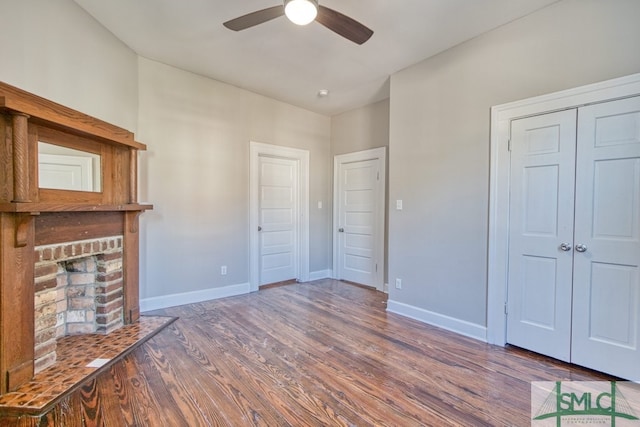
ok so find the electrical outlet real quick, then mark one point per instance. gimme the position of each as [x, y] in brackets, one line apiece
[398, 283]
[223, 270]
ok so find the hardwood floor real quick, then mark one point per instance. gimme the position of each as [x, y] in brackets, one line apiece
[317, 354]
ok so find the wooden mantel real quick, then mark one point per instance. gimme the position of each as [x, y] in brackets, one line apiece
[28, 214]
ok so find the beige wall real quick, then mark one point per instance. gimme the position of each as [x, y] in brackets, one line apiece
[439, 139]
[360, 129]
[197, 176]
[56, 50]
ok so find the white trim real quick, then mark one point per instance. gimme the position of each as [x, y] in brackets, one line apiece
[501, 117]
[319, 275]
[257, 149]
[462, 327]
[173, 300]
[379, 154]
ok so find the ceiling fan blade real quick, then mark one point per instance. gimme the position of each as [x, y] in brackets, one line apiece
[250, 19]
[347, 27]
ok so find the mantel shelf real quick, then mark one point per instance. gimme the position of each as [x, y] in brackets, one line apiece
[36, 208]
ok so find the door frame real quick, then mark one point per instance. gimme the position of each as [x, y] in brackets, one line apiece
[501, 117]
[257, 149]
[379, 241]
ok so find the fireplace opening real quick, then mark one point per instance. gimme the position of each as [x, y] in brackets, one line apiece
[78, 290]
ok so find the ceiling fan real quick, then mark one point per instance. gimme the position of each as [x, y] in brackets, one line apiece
[303, 12]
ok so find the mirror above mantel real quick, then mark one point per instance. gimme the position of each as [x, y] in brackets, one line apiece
[64, 160]
[65, 168]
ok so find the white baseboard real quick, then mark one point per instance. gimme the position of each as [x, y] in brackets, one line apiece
[461, 327]
[322, 274]
[164, 301]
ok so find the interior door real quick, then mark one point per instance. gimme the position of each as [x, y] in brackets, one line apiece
[278, 224]
[541, 233]
[606, 285]
[357, 189]
[65, 172]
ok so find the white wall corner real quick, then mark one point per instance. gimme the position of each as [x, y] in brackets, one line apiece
[173, 300]
[452, 324]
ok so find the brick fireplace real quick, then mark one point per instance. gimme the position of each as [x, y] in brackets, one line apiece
[78, 290]
[68, 258]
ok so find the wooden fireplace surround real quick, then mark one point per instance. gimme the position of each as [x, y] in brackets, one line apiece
[32, 216]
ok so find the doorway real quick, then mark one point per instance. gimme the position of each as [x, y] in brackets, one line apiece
[564, 245]
[279, 214]
[358, 217]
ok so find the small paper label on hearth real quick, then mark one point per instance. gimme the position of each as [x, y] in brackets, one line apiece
[97, 363]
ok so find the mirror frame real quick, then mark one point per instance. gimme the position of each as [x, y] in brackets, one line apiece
[63, 139]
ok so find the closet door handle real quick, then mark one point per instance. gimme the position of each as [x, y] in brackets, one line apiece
[581, 248]
[565, 247]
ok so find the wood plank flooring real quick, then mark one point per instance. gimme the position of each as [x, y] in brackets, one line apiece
[317, 354]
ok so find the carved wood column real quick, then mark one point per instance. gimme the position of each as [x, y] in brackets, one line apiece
[133, 176]
[20, 157]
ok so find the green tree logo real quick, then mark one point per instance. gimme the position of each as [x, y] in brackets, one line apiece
[584, 403]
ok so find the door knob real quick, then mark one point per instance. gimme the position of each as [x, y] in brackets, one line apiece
[581, 248]
[565, 247]
[341, 230]
[259, 228]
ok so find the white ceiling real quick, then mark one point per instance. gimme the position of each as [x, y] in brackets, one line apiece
[290, 63]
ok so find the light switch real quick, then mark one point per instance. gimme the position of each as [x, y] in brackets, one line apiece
[398, 205]
[319, 205]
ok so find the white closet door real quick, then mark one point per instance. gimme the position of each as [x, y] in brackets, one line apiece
[541, 233]
[606, 295]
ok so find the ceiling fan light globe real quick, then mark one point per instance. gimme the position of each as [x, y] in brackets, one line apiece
[301, 12]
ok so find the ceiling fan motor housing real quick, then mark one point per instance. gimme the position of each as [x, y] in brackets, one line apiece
[301, 12]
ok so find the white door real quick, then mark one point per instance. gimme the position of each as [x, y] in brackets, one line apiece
[606, 283]
[277, 196]
[65, 172]
[574, 255]
[357, 214]
[541, 233]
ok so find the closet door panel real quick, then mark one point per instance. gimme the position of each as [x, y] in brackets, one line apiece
[541, 225]
[606, 288]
